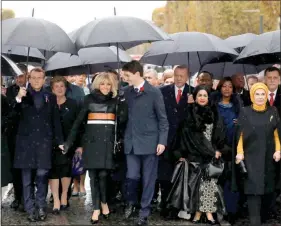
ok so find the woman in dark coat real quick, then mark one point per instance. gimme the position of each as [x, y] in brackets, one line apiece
[62, 164]
[228, 107]
[259, 145]
[200, 140]
[6, 164]
[98, 117]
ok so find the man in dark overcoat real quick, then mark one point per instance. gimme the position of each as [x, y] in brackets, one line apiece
[175, 99]
[38, 131]
[145, 138]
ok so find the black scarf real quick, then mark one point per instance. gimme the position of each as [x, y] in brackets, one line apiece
[100, 97]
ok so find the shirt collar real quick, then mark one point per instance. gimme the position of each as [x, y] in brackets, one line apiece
[141, 85]
[181, 88]
[275, 92]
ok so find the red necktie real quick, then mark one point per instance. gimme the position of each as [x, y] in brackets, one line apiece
[271, 101]
[179, 96]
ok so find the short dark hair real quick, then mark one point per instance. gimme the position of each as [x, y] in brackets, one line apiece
[206, 72]
[56, 79]
[271, 69]
[112, 71]
[37, 69]
[224, 80]
[133, 67]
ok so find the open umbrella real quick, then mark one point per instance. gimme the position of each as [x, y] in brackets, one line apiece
[238, 42]
[227, 69]
[19, 53]
[190, 48]
[8, 67]
[96, 58]
[36, 33]
[263, 49]
[126, 32]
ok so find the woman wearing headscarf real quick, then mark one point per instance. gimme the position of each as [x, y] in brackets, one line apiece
[259, 145]
[199, 141]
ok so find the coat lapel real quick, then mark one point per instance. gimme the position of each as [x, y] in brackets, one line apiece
[173, 96]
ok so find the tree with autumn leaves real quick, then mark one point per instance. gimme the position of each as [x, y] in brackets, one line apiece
[221, 18]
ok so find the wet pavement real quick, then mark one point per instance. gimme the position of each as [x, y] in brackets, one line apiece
[80, 213]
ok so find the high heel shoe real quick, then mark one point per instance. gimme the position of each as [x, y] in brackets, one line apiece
[195, 221]
[56, 211]
[64, 207]
[94, 221]
[213, 222]
[106, 216]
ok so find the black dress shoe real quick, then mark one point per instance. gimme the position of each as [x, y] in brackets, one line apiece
[32, 217]
[56, 211]
[15, 204]
[142, 221]
[129, 210]
[194, 221]
[42, 214]
[51, 199]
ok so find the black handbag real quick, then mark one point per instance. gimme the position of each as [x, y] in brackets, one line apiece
[215, 168]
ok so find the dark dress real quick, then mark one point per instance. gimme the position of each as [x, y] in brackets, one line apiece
[62, 164]
[197, 140]
[6, 175]
[98, 135]
[259, 147]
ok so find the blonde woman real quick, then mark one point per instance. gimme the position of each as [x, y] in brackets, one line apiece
[98, 119]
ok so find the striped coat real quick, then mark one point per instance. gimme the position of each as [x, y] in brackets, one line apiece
[95, 125]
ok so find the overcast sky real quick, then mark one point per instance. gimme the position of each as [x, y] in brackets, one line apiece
[70, 15]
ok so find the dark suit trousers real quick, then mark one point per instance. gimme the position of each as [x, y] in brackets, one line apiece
[258, 206]
[17, 184]
[145, 166]
[41, 180]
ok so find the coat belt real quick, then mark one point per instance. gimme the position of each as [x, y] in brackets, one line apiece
[101, 116]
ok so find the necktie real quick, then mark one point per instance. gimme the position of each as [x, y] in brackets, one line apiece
[271, 101]
[179, 96]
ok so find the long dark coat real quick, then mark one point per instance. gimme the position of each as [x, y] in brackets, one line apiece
[69, 111]
[176, 112]
[259, 147]
[6, 175]
[98, 134]
[38, 131]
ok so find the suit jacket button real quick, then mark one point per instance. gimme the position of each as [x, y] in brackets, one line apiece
[175, 110]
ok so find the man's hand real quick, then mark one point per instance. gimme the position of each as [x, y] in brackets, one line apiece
[160, 149]
[182, 159]
[21, 93]
[190, 99]
[277, 156]
[239, 158]
[79, 150]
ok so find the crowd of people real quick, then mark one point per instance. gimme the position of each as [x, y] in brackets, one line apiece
[207, 150]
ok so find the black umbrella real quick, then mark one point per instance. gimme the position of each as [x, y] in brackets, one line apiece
[126, 32]
[20, 53]
[96, 59]
[36, 33]
[8, 67]
[194, 49]
[238, 42]
[264, 49]
[227, 69]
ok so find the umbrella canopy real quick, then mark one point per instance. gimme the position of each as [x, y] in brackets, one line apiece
[36, 33]
[22, 51]
[97, 58]
[190, 48]
[126, 32]
[227, 69]
[263, 49]
[238, 42]
[8, 67]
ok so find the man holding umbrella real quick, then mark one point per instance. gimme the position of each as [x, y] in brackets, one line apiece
[145, 138]
[39, 129]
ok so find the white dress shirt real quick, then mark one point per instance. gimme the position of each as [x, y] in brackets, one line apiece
[177, 89]
[275, 92]
[139, 86]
